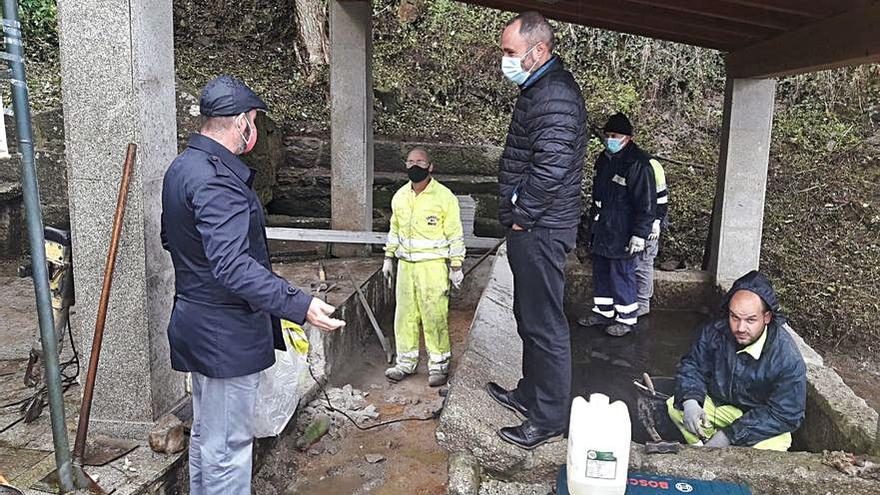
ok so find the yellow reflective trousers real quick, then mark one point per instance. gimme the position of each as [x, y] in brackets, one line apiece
[425, 235]
[422, 299]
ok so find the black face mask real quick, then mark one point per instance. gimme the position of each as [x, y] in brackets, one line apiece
[417, 174]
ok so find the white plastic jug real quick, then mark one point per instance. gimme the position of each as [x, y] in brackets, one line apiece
[598, 446]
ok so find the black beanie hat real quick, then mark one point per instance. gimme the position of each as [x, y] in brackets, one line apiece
[619, 123]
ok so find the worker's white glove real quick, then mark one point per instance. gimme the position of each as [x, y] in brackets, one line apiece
[719, 440]
[456, 276]
[636, 245]
[694, 417]
[388, 271]
[655, 230]
[319, 316]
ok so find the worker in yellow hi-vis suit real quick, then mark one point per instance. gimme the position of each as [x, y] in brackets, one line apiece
[425, 235]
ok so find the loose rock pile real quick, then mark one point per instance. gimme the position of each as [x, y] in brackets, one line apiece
[347, 399]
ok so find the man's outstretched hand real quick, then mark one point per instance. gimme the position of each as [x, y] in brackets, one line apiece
[319, 316]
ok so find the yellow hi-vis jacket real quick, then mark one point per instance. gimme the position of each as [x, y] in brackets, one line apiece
[427, 226]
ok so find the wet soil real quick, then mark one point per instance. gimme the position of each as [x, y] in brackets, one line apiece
[861, 374]
[609, 365]
[411, 460]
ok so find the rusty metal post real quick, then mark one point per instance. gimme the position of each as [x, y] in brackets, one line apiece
[89, 387]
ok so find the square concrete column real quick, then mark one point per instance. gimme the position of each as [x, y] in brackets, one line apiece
[351, 119]
[117, 81]
[742, 178]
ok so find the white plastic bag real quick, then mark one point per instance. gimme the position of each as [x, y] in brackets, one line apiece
[278, 392]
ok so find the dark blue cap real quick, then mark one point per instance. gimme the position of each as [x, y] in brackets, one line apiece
[225, 95]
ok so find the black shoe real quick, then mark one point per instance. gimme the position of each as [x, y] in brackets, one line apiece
[619, 330]
[506, 399]
[595, 319]
[527, 436]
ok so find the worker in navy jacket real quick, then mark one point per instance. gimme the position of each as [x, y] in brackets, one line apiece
[619, 221]
[744, 381]
[227, 304]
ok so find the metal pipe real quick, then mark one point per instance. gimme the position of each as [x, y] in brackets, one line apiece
[79, 446]
[31, 193]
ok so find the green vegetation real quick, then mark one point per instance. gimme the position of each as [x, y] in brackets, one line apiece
[437, 78]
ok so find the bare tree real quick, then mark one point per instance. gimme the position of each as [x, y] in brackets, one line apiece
[311, 16]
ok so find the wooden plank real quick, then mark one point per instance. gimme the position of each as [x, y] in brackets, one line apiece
[847, 39]
[631, 22]
[356, 237]
[750, 15]
[817, 9]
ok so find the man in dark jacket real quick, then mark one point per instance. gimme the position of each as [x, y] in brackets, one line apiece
[618, 222]
[539, 178]
[227, 303]
[744, 381]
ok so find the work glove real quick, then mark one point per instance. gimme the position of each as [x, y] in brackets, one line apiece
[636, 245]
[319, 316]
[456, 276]
[655, 230]
[719, 440]
[694, 417]
[388, 272]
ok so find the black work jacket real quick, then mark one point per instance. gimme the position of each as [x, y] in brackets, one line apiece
[624, 201]
[771, 391]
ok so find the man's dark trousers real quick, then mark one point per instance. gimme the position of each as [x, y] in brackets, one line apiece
[537, 260]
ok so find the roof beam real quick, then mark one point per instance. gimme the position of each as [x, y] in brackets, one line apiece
[748, 15]
[647, 14]
[846, 39]
[817, 9]
[627, 22]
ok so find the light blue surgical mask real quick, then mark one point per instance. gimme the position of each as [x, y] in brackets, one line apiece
[614, 145]
[513, 70]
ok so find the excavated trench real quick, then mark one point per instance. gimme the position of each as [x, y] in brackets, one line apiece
[836, 418]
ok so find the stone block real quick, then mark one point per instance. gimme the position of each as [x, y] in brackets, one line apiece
[464, 475]
[389, 156]
[118, 91]
[12, 231]
[685, 290]
[168, 436]
[303, 153]
[836, 418]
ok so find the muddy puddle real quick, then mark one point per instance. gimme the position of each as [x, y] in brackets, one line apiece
[398, 458]
[608, 365]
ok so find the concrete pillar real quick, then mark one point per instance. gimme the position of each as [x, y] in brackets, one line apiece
[351, 118]
[742, 178]
[117, 81]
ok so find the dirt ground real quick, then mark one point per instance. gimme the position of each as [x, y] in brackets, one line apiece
[411, 460]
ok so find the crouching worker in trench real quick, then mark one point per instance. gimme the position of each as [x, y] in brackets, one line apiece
[425, 235]
[744, 381]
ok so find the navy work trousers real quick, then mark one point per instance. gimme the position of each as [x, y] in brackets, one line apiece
[537, 260]
[614, 289]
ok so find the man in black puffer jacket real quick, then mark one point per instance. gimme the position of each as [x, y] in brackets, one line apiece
[540, 180]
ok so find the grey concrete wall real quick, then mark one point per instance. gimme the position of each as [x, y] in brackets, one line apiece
[742, 178]
[303, 180]
[351, 117]
[117, 64]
